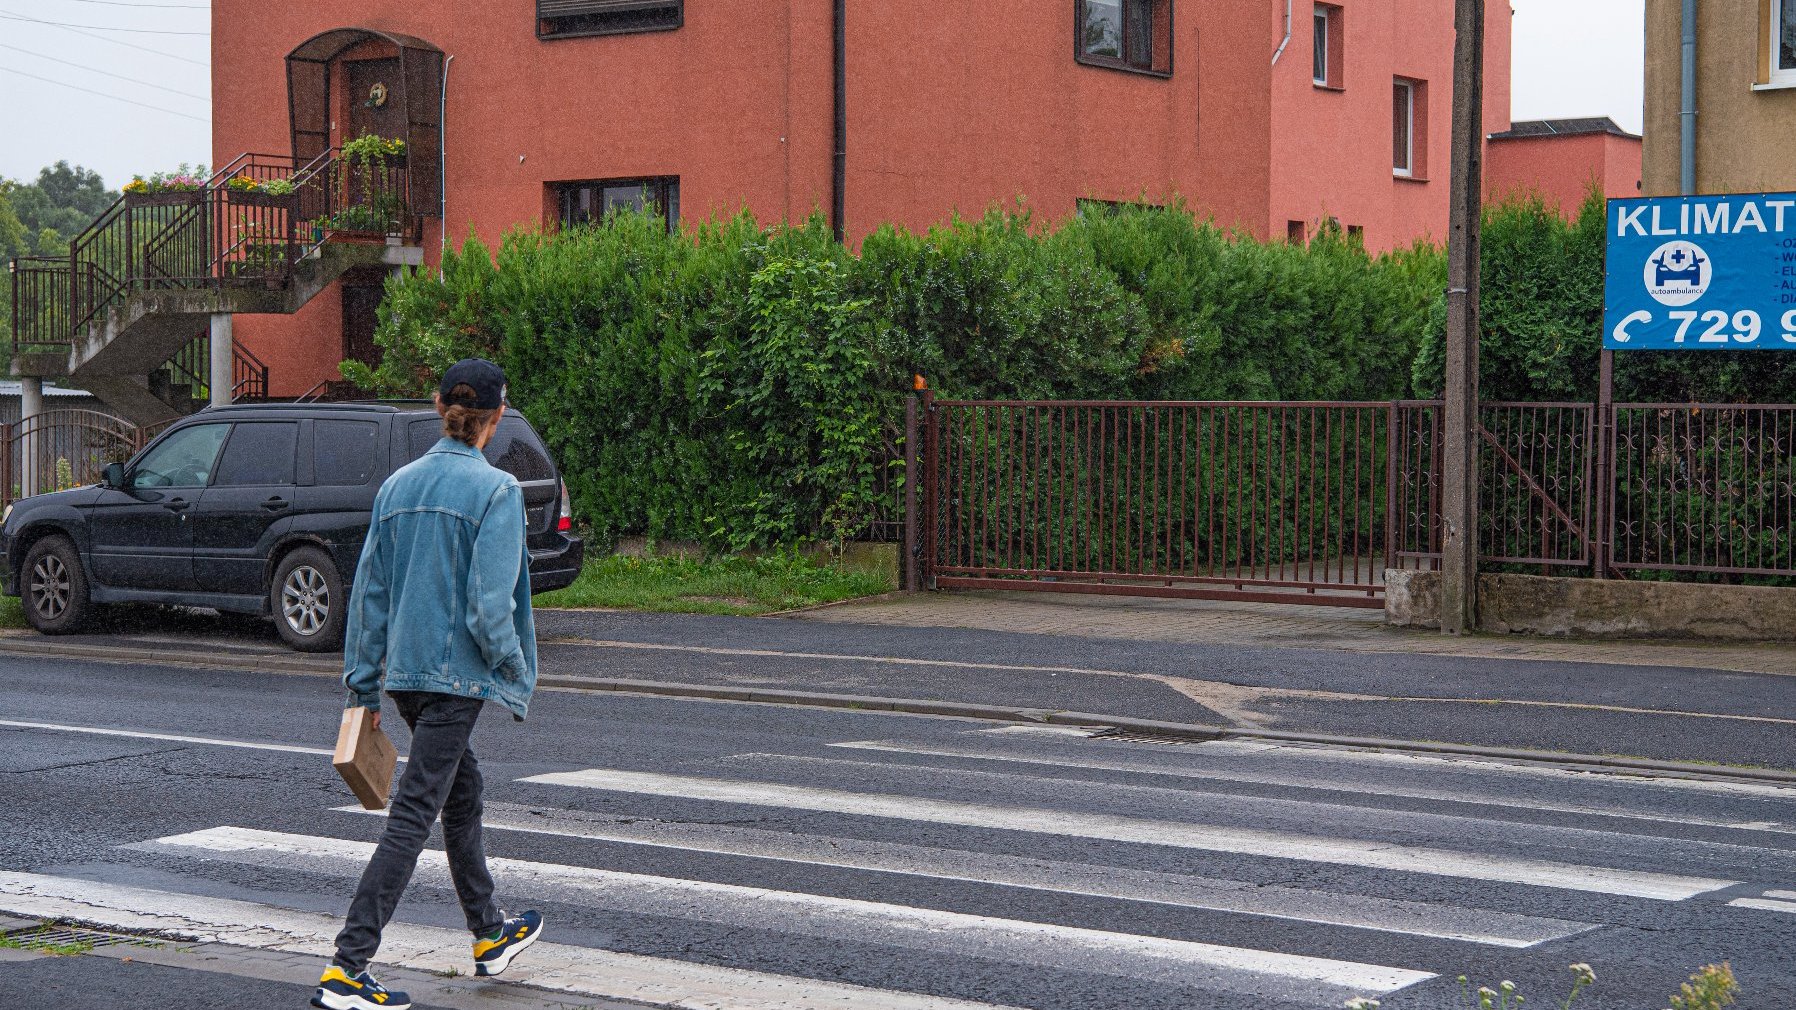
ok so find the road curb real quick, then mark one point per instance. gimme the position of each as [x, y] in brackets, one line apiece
[246, 662]
[1194, 732]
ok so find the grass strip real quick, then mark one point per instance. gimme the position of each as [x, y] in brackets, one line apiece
[735, 585]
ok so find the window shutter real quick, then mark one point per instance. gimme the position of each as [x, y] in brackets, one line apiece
[575, 8]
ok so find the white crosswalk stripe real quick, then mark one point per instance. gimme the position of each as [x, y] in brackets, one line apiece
[580, 970]
[1765, 905]
[1041, 944]
[1411, 918]
[1294, 778]
[1213, 838]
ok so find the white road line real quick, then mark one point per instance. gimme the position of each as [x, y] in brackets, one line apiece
[1332, 755]
[1409, 918]
[1764, 905]
[1787, 895]
[1151, 958]
[583, 971]
[1243, 841]
[205, 741]
[1125, 763]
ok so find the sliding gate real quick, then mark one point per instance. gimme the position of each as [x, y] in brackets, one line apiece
[1274, 502]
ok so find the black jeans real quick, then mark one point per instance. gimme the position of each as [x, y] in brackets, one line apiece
[441, 777]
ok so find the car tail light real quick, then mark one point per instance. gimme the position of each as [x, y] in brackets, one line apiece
[566, 522]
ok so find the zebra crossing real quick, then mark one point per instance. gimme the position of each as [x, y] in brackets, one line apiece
[1014, 866]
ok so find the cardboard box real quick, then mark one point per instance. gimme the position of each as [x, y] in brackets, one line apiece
[365, 758]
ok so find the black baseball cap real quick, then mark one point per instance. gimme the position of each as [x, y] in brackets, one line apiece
[486, 379]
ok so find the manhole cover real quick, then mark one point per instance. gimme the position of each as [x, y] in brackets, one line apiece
[1170, 739]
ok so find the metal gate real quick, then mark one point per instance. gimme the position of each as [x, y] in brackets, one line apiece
[1271, 502]
[61, 449]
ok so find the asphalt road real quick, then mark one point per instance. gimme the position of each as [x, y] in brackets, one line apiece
[1652, 712]
[792, 857]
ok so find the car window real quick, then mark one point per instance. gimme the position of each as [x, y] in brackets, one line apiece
[260, 453]
[425, 433]
[514, 448]
[344, 452]
[183, 459]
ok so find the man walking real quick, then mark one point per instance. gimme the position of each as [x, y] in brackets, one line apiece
[441, 610]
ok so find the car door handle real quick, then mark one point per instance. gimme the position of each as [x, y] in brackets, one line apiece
[176, 505]
[276, 504]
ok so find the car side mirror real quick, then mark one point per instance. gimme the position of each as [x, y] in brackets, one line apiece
[115, 475]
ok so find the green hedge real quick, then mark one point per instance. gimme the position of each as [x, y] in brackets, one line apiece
[744, 386]
[1542, 306]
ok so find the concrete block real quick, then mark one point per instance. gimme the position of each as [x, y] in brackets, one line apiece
[1602, 608]
[1618, 608]
[1412, 599]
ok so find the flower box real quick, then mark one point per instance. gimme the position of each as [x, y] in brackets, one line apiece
[166, 198]
[251, 198]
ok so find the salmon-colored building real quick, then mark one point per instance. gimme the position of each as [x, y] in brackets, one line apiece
[1270, 116]
[1560, 160]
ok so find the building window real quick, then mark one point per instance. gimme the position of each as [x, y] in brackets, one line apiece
[1329, 58]
[590, 202]
[1403, 128]
[558, 19]
[1125, 34]
[1409, 128]
[1783, 42]
[1294, 232]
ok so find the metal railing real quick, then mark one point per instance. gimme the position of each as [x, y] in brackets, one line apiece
[41, 289]
[230, 232]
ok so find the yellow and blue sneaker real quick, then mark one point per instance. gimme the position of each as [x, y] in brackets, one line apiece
[493, 954]
[337, 991]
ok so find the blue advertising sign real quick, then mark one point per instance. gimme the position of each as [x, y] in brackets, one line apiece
[1704, 273]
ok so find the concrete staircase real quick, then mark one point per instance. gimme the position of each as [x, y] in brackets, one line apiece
[154, 271]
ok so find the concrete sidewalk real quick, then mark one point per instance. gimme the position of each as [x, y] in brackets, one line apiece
[1268, 625]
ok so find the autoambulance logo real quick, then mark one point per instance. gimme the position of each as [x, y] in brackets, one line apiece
[1678, 272]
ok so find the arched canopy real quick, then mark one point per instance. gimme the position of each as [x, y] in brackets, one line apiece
[418, 90]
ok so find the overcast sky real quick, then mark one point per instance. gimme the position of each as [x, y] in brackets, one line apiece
[1572, 58]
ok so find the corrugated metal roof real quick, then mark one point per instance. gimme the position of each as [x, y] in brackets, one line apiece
[1563, 128]
[12, 388]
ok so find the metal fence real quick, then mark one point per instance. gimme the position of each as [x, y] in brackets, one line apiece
[1283, 501]
[1704, 488]
[1312, 502]
[60, 449]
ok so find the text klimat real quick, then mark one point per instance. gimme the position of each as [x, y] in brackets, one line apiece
[1705, 219]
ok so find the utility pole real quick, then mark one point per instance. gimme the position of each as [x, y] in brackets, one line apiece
[1459, 494]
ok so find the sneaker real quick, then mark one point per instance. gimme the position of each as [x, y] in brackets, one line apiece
[337, 991]
[493, 955]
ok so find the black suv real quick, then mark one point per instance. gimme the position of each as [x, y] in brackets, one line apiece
[258, 510]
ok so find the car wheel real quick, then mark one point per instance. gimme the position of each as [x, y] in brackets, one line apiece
[307, 601]
[53, 587]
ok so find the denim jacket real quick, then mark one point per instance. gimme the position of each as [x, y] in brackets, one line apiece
[442, 594]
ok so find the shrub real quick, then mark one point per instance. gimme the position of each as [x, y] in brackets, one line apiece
[744, 386]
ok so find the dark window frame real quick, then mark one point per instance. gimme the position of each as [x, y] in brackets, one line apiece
[668, 204]
[1403, 127]
[579, 26]
[1114, 63]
